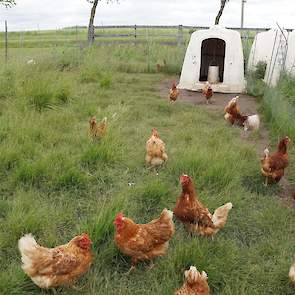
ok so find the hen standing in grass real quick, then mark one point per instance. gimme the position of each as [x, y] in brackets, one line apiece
[144, 241]
[161, 65]
[173, 93]
[97, 130]
[195, 283]
[51, 268]
[207, 92]
[192, 213]
[155, 150]
[273, 166]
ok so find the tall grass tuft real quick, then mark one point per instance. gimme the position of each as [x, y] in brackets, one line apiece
[7, 82]
[101, 152]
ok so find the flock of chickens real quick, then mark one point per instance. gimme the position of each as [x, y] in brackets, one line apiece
[63, 265]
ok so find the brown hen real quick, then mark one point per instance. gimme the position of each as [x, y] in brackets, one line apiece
[97, 130]
[144, 241]
[155, 150]
[53, 267]
[195, 283]
[207, 92]
[273, 166]
[194, 215]
[173, 93]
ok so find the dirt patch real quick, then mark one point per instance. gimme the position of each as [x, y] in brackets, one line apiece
[248, 106]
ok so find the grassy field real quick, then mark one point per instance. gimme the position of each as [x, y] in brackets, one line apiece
[70, 37]
[57, 183]
[74, 36]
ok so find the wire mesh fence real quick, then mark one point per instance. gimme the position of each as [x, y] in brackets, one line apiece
[76, 36]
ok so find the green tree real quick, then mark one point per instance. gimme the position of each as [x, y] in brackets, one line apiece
[222, 5]
[7, 3]
[91, 19]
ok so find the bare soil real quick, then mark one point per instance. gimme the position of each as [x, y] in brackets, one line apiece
[248, 106]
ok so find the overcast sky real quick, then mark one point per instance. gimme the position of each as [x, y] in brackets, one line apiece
[52, 14]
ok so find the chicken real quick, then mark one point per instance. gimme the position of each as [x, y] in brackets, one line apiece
[50, 268]
[161, 65]
[231, 102]
[144, 241]
[173, 93]
[252, 123]
[273, 166]
[292, 274]
[155, 150]
[195, 217]
[195, 283]
[207, 92]
[97, 131]
[233, 113]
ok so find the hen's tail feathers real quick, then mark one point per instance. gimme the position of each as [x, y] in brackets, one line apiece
[26, 245]
[219, 219]
[220, 215]
[157, 161]
[167, 213]
[292, 273]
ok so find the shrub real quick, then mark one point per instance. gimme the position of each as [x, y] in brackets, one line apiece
[255, 87]
[260, 70]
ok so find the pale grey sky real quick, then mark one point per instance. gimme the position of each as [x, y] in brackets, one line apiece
[52, 14]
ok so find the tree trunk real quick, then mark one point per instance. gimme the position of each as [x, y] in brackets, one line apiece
[220, 12]
[91, 23]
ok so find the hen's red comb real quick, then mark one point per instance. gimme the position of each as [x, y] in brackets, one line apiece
[184, 178]
[119, 217]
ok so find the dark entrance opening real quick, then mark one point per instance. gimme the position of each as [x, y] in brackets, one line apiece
[212, 54]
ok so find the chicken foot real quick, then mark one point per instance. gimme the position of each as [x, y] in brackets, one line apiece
[151, 266]
[133, 266]
[266, 181]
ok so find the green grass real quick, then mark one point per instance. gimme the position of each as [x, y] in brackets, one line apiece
[56, 182]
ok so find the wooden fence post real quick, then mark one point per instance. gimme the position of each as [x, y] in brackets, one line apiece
[135, 32]
[180, 35]
[21, 39]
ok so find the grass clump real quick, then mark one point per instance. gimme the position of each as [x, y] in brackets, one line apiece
[31, 174]
[98, 154]
[105, 82]
[45, 94]
[71, 178]
[7, 82]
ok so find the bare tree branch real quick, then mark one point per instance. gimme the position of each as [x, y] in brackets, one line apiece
[91, 19]
[222, 5]
[7, 3]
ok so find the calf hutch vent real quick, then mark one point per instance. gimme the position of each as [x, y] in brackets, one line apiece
[214, 55]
